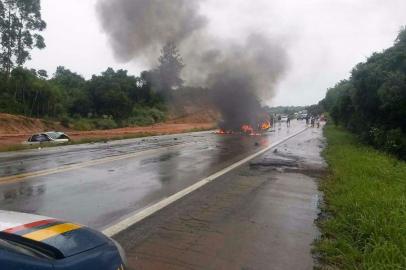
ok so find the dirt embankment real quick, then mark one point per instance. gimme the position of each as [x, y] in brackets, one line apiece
[16, 125]
[14, 129]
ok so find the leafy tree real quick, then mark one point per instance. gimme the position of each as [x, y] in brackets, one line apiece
[401, 38]
[170, 67]
[20, 23]
[68, 79]
[392, 96]
[72, 86]
[42, 73]
[110, 93]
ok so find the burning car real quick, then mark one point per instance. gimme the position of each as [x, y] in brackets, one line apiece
[248, 129]
[41, 243]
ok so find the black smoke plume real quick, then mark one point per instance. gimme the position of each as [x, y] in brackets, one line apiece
[240, 75]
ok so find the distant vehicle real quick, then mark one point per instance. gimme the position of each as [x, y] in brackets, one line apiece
[302, 116]
[30, 242]
[48, 137]
[284, 119]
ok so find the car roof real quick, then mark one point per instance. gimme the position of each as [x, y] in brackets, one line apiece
[68, 238]
[9, 219]
[55, 134]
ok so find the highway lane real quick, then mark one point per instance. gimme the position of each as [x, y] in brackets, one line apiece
[133, 173]
[13, 163]
[258, 216]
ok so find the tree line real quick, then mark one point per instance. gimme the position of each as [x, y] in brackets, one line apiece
[114, 98]
[372, 102]
[111, 99]
[115, 95]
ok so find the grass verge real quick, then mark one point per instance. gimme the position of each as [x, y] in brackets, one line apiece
[365, 207]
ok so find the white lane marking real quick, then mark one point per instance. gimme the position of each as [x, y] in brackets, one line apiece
[23, 176]
[148, 211]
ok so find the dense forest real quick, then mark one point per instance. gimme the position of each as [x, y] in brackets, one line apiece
[372, 102]
[105, 101]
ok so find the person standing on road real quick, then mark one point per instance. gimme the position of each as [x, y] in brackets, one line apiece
[312, 122]
[307, 119]
[288, 122]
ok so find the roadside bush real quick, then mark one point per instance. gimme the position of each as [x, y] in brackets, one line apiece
[157, 115]
[140, 121]
[143, 116]
[377, 137]
[396, 143]
[83, 124]
[66, 121]
[107, 123]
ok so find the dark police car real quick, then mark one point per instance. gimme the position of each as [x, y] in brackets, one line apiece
[31, 242]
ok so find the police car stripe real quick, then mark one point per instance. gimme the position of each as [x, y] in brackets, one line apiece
[52, 231]
[16, 229]
[33, 229]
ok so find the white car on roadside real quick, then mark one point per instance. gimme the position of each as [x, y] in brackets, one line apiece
[48, 137]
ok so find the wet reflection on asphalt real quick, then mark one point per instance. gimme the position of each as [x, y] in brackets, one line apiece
[100, 195]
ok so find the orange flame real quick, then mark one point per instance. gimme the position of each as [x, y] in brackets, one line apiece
[247, 129]
[222, 132]
[265, 125]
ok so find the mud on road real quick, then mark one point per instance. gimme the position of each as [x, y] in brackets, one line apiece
[259, 216]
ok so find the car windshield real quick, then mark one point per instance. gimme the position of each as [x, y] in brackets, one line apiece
[54, 135]
[39, 138]
[57, 135]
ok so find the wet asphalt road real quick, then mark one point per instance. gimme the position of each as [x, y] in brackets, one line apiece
[100, 184]
[259, 216]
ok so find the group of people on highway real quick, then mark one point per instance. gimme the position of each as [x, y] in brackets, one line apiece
[314, 121]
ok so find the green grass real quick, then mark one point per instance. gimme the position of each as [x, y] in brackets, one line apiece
[365, 205]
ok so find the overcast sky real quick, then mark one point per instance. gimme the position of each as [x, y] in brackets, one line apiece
[324, 38]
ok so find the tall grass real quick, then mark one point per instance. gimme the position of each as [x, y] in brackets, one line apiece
[365, 197]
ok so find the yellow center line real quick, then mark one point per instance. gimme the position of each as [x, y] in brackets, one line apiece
[23, 176]
[52, 231]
